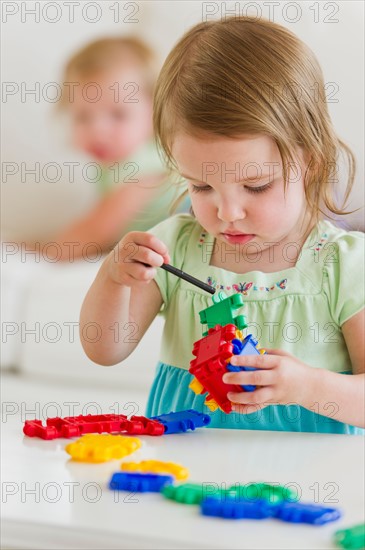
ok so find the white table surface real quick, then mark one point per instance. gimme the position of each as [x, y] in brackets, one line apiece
[326, 467]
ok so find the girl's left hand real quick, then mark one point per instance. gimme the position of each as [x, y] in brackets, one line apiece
[282, 379]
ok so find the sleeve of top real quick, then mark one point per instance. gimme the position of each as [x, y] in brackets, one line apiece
[174, 232]
[344, 269]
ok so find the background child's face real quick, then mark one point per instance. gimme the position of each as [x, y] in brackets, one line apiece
[224, 205]
[118, 122]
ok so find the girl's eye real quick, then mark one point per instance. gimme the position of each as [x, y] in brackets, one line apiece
[198, 189]
[260, 189]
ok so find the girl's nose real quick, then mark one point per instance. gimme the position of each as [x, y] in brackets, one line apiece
[231, 210]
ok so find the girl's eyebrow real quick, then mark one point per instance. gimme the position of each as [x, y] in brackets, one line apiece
[240, 181]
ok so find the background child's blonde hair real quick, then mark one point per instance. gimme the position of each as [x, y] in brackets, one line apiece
[247, 76]
[108, 54]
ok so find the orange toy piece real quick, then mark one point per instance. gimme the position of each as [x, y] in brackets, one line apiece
[158, 467]
[102, 447]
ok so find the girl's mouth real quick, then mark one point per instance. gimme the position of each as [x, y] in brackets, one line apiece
[239, 238]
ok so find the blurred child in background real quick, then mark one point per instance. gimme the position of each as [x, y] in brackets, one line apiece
[108, 88]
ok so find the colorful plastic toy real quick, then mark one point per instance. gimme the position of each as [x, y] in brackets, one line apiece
[75, 426]
[222, 312]
[182, 421]
[297, 512]
[352, 537]
[212, 353]
[142, 483]
[262, 491]
[231, 509]
[158, 467]
[245, 347]
[101, 448]
[186, 493]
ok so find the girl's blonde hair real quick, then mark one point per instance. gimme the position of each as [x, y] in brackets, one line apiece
[108, 54]
[247, 76]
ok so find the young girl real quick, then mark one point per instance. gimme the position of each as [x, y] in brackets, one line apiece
[108, 87]
[236, 114]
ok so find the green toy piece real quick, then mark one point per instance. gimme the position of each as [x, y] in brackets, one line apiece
[222, 312]
[186, 493]
[353, 537]
[263, 491]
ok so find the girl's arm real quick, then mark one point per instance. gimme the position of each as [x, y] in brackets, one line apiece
[123, 292]
[108, 220]
[283, 379]
[342, 396]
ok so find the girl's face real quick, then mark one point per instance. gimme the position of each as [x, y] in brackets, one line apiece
[237, 189]
[111, 115]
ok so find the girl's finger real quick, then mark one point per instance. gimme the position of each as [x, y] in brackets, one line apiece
[257, 397]
[255, 378]
[264, 361]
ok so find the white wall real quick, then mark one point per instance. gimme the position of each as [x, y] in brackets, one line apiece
[35, 51]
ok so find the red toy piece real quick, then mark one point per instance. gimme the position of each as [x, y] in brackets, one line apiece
[212, 353]
[75, 426]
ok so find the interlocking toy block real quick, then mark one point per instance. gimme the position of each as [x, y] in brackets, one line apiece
[158, 467]
[75, 426]
[186, 493]
[248, 346]
[353, 537]
[297, 512]
[140, 425]
[263, 491]
[231, 509]
[212, 353]
[138, 482]
[101, 448]
[35, 428]
[182, 421]
[222, 312]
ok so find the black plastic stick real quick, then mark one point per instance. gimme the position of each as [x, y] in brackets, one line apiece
[187, 277]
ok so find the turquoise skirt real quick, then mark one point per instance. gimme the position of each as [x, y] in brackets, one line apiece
[170, 392]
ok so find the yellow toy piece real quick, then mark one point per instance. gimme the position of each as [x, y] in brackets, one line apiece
[102, 447]
[212, 405]
[196, 386]
[157, 467]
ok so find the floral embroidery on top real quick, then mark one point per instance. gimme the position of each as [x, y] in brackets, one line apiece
[245, 288]
[202, 239]
[318, 246]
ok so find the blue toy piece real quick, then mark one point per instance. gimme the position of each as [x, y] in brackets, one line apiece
[139, 482]
[232, 509]
[246, 347]
[296, 512]
[182, 421]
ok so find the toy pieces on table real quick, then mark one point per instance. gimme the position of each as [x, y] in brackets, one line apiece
[186, 493]
[101, 448]
[353, 537]
[35, 428]
[261, 491]
[182, 421]
[232, 509]
[222, 312]
[297, 512]
[75, 426]
[245, 347]
[139, 482]
[158, 467]
[140, 425]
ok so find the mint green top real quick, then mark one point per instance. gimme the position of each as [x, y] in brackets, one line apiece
[144, 162]
[300, 310]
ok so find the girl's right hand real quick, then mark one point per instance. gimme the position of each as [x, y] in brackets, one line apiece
[135, 258]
